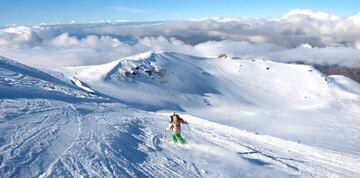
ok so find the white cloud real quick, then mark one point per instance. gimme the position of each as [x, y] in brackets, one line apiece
[357, 44]
[329, 55]
[18, 36]
[305, 45]
[300, 35]
[323, 16]
[63, 40]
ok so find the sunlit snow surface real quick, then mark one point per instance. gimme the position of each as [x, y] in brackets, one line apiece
[247, 119]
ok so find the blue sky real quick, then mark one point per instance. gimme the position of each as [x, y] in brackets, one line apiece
[28, 12]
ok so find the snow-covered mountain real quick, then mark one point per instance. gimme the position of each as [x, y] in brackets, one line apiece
[289, 101]
[248, 118]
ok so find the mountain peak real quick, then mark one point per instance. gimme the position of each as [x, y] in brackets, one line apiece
[149, 55]
[145, 55]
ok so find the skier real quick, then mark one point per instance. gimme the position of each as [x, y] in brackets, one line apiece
[175, 127]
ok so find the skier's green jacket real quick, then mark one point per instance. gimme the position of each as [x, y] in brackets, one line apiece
[175, 127]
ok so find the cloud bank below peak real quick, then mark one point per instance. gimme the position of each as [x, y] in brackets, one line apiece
[299, 35]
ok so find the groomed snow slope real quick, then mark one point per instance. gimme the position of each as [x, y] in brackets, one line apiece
[62, 131]
[110, 140]
[288, 101]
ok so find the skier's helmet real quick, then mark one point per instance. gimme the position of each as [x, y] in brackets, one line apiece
[172, 114]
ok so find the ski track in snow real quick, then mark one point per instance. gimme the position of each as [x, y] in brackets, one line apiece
[130, 143]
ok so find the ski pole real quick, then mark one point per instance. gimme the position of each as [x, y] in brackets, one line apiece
[192, 133]
[163, 137]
